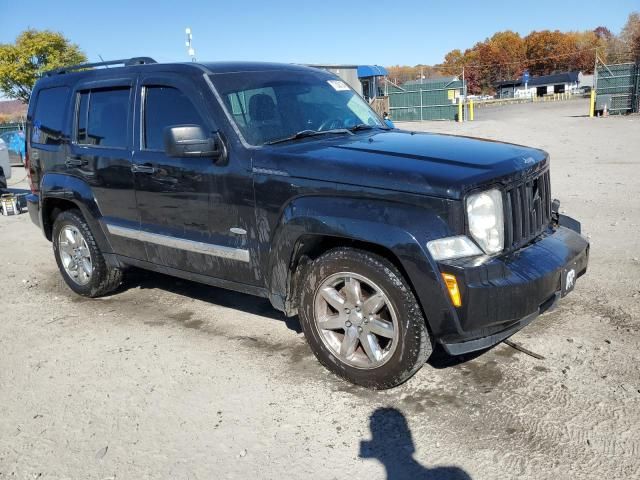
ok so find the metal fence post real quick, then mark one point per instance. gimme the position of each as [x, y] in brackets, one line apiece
[420, 90]
[637, 89]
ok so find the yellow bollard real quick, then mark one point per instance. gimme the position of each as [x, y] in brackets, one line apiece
[471, 110]
[592, 103]
[459, 109]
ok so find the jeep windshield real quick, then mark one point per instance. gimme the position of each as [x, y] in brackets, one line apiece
[271, 107]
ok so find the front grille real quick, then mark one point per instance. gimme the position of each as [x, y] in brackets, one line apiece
[527, 210]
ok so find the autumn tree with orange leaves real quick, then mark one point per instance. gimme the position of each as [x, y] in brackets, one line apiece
[505, 55]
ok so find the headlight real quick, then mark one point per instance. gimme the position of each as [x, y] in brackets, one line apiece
[452, 247]
[486, 220]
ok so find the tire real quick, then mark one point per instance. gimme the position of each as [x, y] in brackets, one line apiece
[102, 278]
[401, 350]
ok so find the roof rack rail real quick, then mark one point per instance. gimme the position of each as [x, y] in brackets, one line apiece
[126, 62]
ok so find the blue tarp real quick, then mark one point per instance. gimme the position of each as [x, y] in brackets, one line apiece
[15, 141]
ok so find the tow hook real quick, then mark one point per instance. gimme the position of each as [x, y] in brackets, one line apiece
[558, 219]
[555, 212]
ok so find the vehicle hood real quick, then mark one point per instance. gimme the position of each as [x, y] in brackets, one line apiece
[424, 163]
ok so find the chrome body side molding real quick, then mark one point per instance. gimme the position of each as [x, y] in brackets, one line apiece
[220, 251]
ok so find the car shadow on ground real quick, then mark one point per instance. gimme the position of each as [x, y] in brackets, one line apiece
[392, 445]
[138, 278]
[440, 359]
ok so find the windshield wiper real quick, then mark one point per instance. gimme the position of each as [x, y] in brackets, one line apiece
[309, 133]
[360, 126]
[364, 126]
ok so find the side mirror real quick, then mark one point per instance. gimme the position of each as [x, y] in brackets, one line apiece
[193, 141]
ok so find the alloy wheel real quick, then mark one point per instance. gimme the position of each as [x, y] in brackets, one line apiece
[356, 320]
[75, 255]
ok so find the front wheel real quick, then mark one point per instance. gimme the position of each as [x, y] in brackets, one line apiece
[362, 320]
[79, 259]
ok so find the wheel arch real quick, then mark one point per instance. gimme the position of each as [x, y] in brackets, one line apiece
[394, 231]
[310, 246]
[60, 192]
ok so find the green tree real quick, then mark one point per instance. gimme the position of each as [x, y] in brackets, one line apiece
[33, 53]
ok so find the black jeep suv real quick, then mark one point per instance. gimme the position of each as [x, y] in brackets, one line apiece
[279, 181]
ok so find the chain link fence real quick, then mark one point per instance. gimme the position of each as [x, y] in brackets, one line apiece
[618, 88]
[425, 98]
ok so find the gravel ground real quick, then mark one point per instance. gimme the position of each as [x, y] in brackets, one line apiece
[170, 379]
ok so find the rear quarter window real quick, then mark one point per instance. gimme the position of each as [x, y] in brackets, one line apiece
[49, 114]
[102, 117]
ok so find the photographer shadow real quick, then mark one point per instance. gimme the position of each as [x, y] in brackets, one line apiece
[392, 445]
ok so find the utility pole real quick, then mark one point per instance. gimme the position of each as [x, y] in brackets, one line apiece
[190, 50]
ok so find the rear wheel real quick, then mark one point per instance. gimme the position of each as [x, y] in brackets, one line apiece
[362, 320]
[79, 259]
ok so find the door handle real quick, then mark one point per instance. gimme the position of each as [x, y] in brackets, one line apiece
[144, 168]
[73, 161]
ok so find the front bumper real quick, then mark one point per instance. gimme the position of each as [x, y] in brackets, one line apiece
[502, 295]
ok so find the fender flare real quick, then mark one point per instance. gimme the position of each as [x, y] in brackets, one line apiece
[77, 191]
[402, 229]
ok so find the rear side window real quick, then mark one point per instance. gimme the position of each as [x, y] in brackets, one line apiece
[102, 117]
[49, 115]
[166, 107]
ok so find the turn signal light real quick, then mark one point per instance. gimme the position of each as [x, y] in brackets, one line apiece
[454, 292]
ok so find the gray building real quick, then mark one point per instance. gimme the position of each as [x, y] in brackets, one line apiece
[367, 80]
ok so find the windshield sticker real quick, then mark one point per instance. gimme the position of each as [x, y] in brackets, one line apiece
[338, 85]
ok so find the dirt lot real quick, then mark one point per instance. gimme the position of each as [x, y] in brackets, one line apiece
[170, 379]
